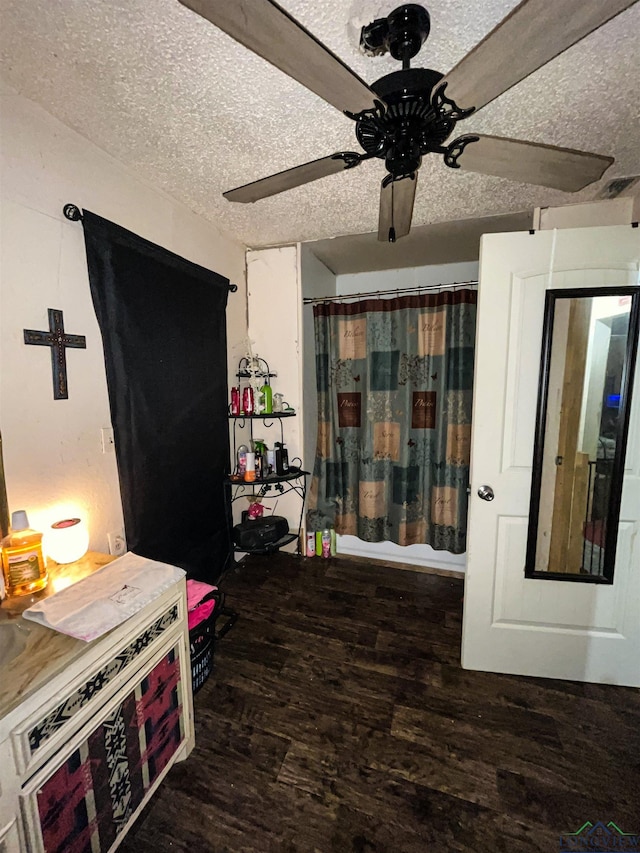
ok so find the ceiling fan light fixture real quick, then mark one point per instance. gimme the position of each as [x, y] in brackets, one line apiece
[403, 158]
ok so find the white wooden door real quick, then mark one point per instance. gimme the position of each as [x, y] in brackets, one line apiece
[526, 626]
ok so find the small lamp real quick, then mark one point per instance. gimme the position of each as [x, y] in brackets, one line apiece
[67, 540]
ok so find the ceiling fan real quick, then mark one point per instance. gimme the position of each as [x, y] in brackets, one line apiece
[412, 112]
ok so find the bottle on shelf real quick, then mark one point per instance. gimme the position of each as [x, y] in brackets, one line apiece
[23, 565]
[247, 401]
[282, 458]
[250, 470]
[235, 400]
[260, 449]
[326, 543]
[267, 398]
[242, 459]
[311, 544]
[271, 462]
[259, 445]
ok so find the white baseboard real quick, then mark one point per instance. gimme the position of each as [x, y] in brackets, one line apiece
[416, 555]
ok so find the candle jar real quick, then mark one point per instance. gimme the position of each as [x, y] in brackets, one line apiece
[67, 540]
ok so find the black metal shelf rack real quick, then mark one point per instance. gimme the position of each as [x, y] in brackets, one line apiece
[267, 488]
[271, 488]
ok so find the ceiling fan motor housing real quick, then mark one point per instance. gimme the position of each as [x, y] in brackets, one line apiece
[402, 33]
[409, 28]
[408, 127]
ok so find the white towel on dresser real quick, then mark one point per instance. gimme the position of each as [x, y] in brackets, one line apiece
[99, 602]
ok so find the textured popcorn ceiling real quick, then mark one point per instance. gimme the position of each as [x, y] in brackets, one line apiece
[167, 93]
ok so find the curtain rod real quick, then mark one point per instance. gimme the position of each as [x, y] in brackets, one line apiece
[73, 213]
[396, 291]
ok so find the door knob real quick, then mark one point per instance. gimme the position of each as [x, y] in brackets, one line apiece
[486, 493]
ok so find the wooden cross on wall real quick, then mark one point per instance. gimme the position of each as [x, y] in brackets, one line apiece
[57, 340]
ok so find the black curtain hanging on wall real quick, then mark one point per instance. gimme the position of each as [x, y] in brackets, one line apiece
[163, 326]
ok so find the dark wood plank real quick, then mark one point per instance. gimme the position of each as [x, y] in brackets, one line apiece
[338, 720]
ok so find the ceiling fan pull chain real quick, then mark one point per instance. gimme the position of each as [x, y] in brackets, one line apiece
[392, 230]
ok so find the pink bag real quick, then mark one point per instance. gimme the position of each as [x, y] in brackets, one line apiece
[200, 609]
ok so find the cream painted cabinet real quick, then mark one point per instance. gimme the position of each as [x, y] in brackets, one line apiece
[9, 837]
[81, 756]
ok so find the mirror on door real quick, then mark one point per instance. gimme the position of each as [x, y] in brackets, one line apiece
[589, 350]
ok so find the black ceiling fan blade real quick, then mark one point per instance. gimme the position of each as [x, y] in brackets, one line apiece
[396, 208]
[266, 29]
[532, 34]
[531, 162]
[290, 178]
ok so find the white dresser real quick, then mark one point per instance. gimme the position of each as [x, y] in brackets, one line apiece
[89, 730]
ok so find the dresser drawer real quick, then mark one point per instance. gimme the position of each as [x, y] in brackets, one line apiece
[42, 733]
[86, 796]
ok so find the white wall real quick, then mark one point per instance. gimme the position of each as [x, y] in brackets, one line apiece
[419, 555]
[273, 295]
[52, 448]
[366, 282]
[613, 211]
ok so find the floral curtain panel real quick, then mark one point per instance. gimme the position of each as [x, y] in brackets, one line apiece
[395, 380]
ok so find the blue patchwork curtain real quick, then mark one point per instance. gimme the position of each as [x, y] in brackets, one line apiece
[395, 380]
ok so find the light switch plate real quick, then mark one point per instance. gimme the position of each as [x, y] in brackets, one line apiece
[108, 440]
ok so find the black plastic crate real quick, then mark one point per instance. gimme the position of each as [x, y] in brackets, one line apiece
[202, 637]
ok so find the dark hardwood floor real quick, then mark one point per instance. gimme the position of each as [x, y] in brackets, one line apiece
[338, 720]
